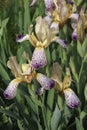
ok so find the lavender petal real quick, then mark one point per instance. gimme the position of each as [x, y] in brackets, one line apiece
[11, 90]
[71, 99]
[61, 42]
[45, 82]
[39, 58]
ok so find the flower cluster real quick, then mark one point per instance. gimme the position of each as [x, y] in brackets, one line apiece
[25, 73]
[45, 32]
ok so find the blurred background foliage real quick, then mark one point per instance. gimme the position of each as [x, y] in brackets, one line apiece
[28, 111]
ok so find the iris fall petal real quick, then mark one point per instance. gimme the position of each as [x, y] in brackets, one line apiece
[45, 82]
[11, 90]
[39, 58]
[71, 99]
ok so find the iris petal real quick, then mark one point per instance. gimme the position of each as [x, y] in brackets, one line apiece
[45, 82]
[61, 42]
[48, 4]
[21, 38]
[74, 16]
[11, 90]
[71, 99]
[39, 58]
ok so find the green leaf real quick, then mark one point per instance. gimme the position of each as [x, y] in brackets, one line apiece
[85, 92]
[3, 73]
[79, 49]
[78, 2]
[27, 18]
[9, 113]
[3, 24]
[3, 54]
[60, 102]
[20, 125]
[82, 115]
[33, 96]
[54, 54]
[66, 115]
[31, 104]
[79, 124]
[84, 47]
[48, 55]
[55, 118]
[50, 101]
[20, 56]
[73, 68]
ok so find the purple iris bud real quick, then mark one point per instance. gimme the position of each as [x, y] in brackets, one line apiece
[45, 82]
[74, 35]
[71, 99]
[39, 58]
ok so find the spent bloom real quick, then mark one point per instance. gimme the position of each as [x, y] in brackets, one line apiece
[45, 33]
[59, 11]
[64, 86]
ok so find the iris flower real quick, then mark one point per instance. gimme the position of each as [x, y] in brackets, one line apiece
[22, 74]
[45, 33]
[59, 11]
[64, 86]
[25, 74]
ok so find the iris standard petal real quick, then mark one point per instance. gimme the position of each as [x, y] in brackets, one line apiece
[49, 4]
[55, 26]
[21, 38]
[11, 90]
[14, 66]
[45, 82]
[71, 99]
[39, 58]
